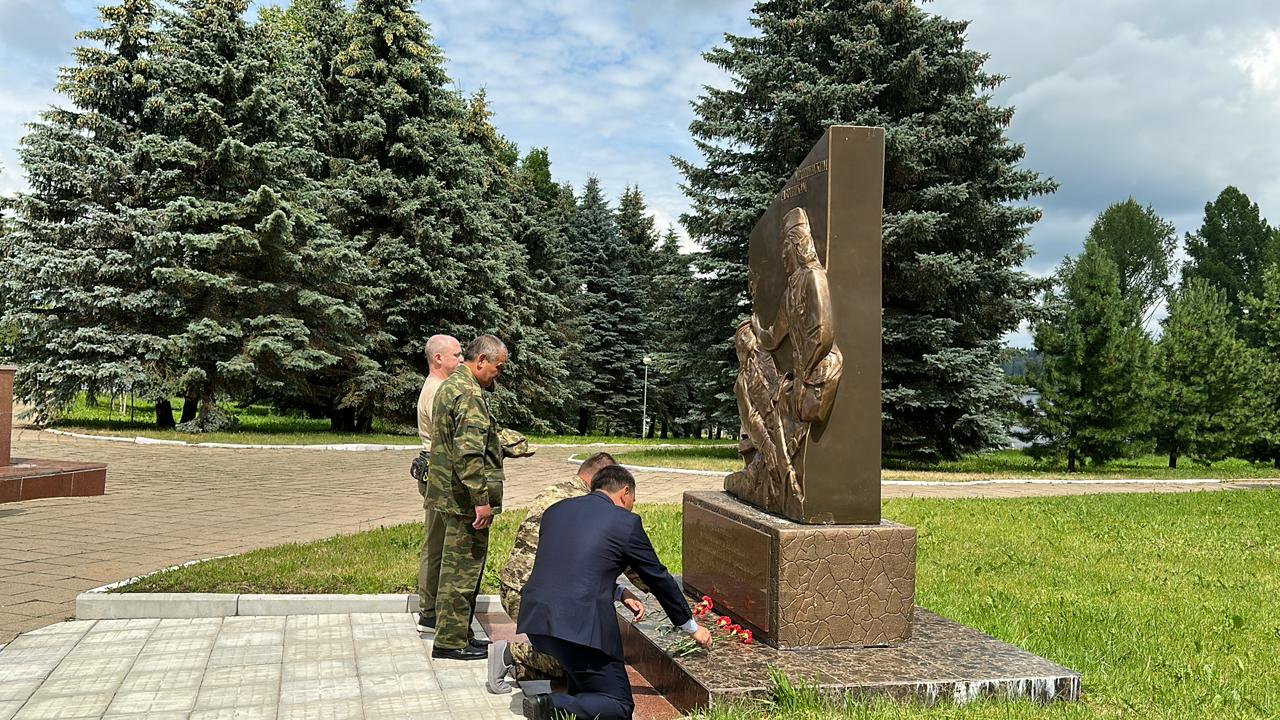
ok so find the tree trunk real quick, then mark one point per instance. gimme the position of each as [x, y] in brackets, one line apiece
[1173, 459]
[1071, 461]
[190, 407]
[717, 433]
[652, 427]
[584, 423]
[342, 420]
[664, 428]
[164, 414]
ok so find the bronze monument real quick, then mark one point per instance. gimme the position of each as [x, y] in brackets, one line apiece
[797, 548]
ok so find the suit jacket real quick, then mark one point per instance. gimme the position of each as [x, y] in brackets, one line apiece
[584, 544]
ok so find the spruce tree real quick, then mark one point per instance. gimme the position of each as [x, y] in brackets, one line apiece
[674, 353]
[956, 212]
[1231, 248]
[1141, 244]
[83, 302]
[1095, 367]
[1206, 379]
[608, 310]
[256, 276]
[414, 201]
[1263, 323]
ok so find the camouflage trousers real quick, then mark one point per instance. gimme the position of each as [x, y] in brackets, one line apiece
[530, 664]
[461, 567]
[429, 563]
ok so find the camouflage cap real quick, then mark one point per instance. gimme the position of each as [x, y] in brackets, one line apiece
[514, 444]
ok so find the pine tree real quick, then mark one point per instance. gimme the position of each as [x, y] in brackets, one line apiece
[1096, 364]
[674, 353]
[82, 298]
[414, 201]
[256, 276]
[1263, 322]
[955, 206]
[608, 311]
[1141, 244]
[1232, 247]
[1205, 379]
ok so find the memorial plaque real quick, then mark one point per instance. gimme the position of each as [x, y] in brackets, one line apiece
[809, 381]
[730, 562]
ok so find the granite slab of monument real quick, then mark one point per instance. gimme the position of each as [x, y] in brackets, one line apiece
[795, 548]
[36, 478]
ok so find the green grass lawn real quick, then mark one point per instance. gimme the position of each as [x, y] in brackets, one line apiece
[259, 425]
[1003, 463]
[1168, 604]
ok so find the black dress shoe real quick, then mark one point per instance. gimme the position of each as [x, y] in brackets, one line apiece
[462, 653]
[478, 643]
[538, 707]
[426, 622]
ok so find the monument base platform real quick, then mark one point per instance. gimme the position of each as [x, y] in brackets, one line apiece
[30, 479]
[944, 661]
[797, 585]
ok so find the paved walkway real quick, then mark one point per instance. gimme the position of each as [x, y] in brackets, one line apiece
[166, 505]
[300, 667]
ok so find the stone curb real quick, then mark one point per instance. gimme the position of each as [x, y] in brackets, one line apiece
[341, 447]
[96, 605]
[574, 460]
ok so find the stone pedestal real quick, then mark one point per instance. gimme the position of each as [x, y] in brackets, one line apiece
[30, 479]
[800, 586]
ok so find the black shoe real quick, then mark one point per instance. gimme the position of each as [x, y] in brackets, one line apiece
[426, 623]
[538, 707]
[478, 643]
[462, 653]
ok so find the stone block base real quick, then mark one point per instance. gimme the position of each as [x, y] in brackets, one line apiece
[28, 479]
[944, 662]
[796, 585]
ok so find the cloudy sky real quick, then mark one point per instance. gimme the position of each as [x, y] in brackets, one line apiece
[1165, 100]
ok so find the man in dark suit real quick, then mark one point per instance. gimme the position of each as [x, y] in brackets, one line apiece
[566, 608]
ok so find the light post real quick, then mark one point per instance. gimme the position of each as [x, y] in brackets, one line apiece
[644, 404]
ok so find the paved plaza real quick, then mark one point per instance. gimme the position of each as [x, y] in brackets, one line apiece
[299, 667]
[166, 505]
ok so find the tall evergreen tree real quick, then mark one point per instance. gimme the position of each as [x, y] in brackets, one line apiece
[1095, 368]
[82, 298]
[1206, 379]
[1232, 247]
[608, 308]
[674, 351]
[256, 275]
[415, 203]
[1141, 244]
[955, 206]
[1263, 323]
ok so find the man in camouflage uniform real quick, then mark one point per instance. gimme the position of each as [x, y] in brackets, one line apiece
[529, 664]
[464, 486]
[444, 356]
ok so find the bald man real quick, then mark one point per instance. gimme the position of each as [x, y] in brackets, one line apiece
[444, 355]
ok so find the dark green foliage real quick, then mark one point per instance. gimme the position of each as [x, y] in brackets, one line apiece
[1232, 247]
[1263, 322]
[255, 276]
[955, 219]
[414, 199]
[80, 296]
[1141, 244]
[610, 315]
[1095, 370]
[672, 299]
[1205, 381]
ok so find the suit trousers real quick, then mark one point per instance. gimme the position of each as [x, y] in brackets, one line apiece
[597, 682]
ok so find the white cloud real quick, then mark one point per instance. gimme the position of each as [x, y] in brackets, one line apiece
[1261, 62]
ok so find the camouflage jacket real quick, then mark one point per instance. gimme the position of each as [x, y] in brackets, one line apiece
[520, 565]
[466, 454]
